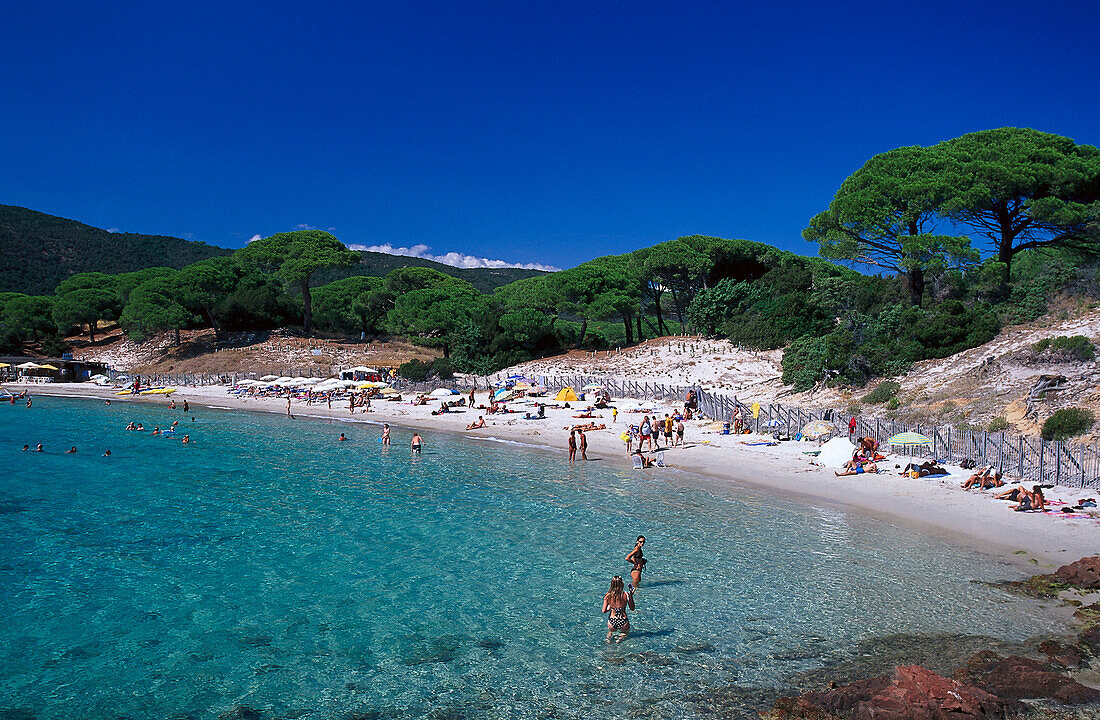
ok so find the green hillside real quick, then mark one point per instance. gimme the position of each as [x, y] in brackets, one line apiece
[374, 264]
[38, 251]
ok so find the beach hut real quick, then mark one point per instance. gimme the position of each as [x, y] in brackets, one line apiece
[566, 394]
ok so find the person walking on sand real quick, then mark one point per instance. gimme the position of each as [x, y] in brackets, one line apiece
[584, 445]
[417, 443]
[572, 446]
[614, 415]
[852, 426]
[288, 407]
[680, 433]
[385, 434]
[635, 558]
[616, 601]
[644, 437]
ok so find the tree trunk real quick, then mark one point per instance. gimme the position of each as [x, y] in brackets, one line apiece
[177, 337]
[91, 331]
[629, 333]
[660, 320]
[307, 308]
[210, 317]
[584, 329]
[916, 286]
[641, 336]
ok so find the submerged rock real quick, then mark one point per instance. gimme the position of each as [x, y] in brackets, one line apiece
[1085, 573]
[1020, 678]
[241, 712]
[1067, 656]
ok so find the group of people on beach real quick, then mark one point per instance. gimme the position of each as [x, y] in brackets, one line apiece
[618, 599]
[649, 432]
[865, 458]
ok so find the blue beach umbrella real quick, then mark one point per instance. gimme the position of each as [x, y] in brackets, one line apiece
[909, 439]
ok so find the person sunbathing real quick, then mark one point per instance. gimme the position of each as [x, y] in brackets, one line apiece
[926, 468]
[1012, 494]
[589, 426]
[1033, 500]
[587, 414]
[479, 424]
[855, 467]
[984, 478]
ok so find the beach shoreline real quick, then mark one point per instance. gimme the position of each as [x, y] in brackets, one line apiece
[1033, 542]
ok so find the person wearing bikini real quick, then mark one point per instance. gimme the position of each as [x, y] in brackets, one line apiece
[616, 602]
[635, 558]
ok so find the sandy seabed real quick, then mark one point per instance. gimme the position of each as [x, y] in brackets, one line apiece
[1033, 541]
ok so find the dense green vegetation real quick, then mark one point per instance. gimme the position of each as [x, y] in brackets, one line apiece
[40, 250]
[1067, 423]
[1073, 347]
[1038, 212]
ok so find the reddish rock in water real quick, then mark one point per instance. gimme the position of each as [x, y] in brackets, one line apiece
[1018, 678]
[1085, 573]
[1064, 655]
[919, 694]
[911, 693]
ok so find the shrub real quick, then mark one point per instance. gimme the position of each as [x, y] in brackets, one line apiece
[1076, 347]
[886, 391]
[893, 404]
[443, 368]
[414, 370]
[997, 424]
[854, 409]
[1067, 423]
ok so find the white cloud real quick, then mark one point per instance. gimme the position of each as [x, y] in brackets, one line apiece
[452, 258]
[112, 230]
[254, 238]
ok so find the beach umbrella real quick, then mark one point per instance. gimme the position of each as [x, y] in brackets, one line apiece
[267, 378]
[522, 385]
[443, 392]
[4, 365]
[909, 438]
[307, 381]
[28, 366]
[772, 424]
[592, 386]
[817, 429]
[47, 367]
[501, 394]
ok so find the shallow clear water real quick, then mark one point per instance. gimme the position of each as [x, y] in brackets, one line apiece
[268, 565]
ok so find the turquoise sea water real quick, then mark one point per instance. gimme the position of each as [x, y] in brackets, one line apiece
[270, 566]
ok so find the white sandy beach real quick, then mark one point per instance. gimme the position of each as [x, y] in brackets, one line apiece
[1038, 541]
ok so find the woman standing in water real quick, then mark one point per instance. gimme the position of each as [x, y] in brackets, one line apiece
[636, 559]
[616, 601]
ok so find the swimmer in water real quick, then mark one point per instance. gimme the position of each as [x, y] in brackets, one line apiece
[616, 602]
[386, 434]
[38, 448]
[26, 447]
[186, 439]
[107, 452]
[417, 443]
[156, 430]
[71, 451]
[342, 437]
[635, 558]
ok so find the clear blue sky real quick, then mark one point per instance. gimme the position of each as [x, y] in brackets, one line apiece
[530, 132]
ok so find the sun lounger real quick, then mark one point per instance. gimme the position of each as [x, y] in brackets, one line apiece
[660, 460]
[637, 461]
